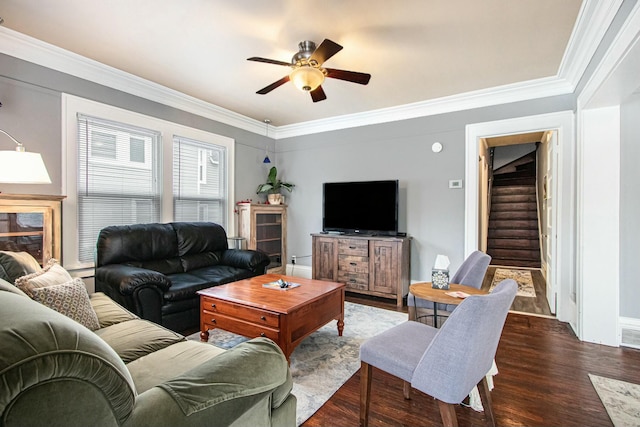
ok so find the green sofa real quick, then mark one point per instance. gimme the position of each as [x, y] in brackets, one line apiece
[130, 372]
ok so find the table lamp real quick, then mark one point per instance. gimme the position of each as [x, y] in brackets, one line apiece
[21, 167]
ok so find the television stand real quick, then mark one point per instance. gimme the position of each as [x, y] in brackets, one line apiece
[370, 265]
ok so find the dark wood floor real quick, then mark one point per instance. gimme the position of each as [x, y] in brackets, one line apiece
[538, 305]
[542, 381]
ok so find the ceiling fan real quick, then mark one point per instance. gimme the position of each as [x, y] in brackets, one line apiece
[307, 72]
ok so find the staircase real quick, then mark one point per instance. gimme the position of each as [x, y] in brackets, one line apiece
[513, 236]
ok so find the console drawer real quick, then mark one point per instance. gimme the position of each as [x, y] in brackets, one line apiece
[249, 314]
[353, 247]
[353, 264]
[354, 280]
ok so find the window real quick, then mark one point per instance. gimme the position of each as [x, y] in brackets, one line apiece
[114, 189]
[137, 150]
[199, 190]
[123, 168]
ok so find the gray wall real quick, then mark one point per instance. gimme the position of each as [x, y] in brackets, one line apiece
[431, 213]
[629, 208]
[31, 112]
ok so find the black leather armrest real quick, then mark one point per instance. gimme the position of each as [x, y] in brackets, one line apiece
[246, 258]
[126, 279]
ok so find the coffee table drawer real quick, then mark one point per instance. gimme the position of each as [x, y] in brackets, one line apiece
[239, 326]
[249, 314]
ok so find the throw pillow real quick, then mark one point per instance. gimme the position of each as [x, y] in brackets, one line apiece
[17, 264]
[52, 274]
[71, 299]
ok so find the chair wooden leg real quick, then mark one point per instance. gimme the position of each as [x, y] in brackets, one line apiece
[448, 414]
[406, 389]
[485, 397]
[412, 312]
[365, 392]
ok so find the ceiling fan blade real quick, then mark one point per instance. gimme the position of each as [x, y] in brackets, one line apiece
[318, 94]
[269, 61]
[325, 51]
[273, 85]
[350, 76]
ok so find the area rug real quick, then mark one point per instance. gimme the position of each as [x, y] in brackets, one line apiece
[522, 277]
[324, 361]
[620, 399]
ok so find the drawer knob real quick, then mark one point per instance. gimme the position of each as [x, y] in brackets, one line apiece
[213, 306]
[263, 318]
[352, 247]
[213, 320]
[262, 334]
[353, 263]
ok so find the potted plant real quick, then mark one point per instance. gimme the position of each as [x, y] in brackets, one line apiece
[273, 186]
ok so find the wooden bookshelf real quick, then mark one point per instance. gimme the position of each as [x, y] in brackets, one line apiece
[31, 223]
[265, 228]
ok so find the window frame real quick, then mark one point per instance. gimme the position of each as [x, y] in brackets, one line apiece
[71, 106]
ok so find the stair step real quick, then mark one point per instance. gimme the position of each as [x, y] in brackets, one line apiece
[506, 207]
[508, 243]
[498, 182]
[514, 214]
[513, 234]
[514, 189]
[515, 254]
[515, 263]
[529, 172]
[513, 198]
[523, 224]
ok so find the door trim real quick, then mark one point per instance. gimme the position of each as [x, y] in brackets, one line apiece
[564, 199]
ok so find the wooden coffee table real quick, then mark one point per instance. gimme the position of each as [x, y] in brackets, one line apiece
[287, 316]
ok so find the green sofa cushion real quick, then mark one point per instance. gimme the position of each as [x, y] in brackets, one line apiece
[108, 311]
[136, 338]
[228, 376]
[162, 365]
[8, 287]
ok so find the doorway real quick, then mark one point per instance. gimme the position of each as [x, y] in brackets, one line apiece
[560, 290]
[516, 173]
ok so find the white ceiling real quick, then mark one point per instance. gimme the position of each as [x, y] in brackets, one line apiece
[415, 50]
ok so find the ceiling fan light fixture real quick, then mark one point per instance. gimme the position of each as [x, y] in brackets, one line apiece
[306, 78]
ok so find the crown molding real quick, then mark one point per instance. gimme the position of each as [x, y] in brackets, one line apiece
[593, 20]
[38, 52]
[539, 88]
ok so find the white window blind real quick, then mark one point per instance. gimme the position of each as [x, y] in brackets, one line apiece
[118, 180]
[199, 186]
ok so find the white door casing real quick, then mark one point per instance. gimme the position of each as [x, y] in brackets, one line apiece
[563, 263]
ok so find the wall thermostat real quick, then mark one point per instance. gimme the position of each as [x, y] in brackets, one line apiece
[455, 183]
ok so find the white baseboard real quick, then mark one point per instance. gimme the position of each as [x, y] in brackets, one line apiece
[630, 332]
[299, 271]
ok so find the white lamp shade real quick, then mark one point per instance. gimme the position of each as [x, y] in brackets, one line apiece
[22, 168]
[306, 78]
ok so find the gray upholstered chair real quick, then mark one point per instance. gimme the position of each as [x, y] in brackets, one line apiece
[444, 363]
[471, 273]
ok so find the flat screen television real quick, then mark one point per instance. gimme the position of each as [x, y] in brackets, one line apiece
[364, 207]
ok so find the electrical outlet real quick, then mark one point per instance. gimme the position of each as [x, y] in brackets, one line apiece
[293, 259]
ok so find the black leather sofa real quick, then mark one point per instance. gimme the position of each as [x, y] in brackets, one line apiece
[155, 270]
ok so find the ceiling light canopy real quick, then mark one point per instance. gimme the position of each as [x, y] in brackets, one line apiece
[306, 78]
